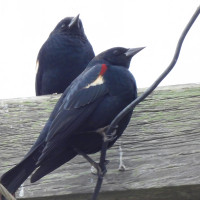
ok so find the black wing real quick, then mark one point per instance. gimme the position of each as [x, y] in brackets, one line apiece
[85, 93]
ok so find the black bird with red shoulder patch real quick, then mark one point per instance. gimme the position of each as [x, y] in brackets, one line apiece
[81, 116]
[64, 55]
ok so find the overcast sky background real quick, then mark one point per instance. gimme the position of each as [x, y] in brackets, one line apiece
[156, 24]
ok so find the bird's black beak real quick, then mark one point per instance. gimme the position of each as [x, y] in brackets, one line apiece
[131, 52]
[74, 22]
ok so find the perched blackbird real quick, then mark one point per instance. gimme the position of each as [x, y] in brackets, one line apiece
[62, 57]
[79, 120]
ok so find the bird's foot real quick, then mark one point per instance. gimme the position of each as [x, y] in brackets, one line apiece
[102, 131]
[96, 169]
[111, 136]
[100, 170]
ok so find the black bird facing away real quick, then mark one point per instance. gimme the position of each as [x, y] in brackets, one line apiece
[78, 122]
[64, 55]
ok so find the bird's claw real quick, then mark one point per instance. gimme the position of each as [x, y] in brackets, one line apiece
[101, 172]
[112, 136]
[96, 169]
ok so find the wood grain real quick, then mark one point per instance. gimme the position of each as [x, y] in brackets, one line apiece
[161, 149]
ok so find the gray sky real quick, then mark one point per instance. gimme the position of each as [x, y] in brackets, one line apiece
[156, 24]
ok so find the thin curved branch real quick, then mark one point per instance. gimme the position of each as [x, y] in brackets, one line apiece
[160, 78]
[132, 105]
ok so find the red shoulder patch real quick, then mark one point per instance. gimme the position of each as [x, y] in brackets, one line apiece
[103, 69]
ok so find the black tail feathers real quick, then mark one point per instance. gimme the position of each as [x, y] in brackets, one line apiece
[51, 164]
[13, 178]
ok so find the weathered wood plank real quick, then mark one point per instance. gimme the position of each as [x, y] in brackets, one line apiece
[160, 148]
[188, 192]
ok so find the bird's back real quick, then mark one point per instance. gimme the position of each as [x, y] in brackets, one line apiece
[61, 59]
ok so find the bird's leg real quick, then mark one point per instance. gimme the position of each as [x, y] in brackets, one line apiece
[92, 162]
[95, 171]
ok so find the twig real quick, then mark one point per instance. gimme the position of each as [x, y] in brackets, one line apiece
[132, 105]
[5, 193]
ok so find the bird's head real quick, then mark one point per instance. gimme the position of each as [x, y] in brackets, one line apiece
[69, 25]
[117, 56]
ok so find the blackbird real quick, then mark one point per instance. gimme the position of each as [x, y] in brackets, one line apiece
[62, 57]
[79, 120]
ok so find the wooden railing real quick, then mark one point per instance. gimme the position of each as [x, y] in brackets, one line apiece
[160, 150]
